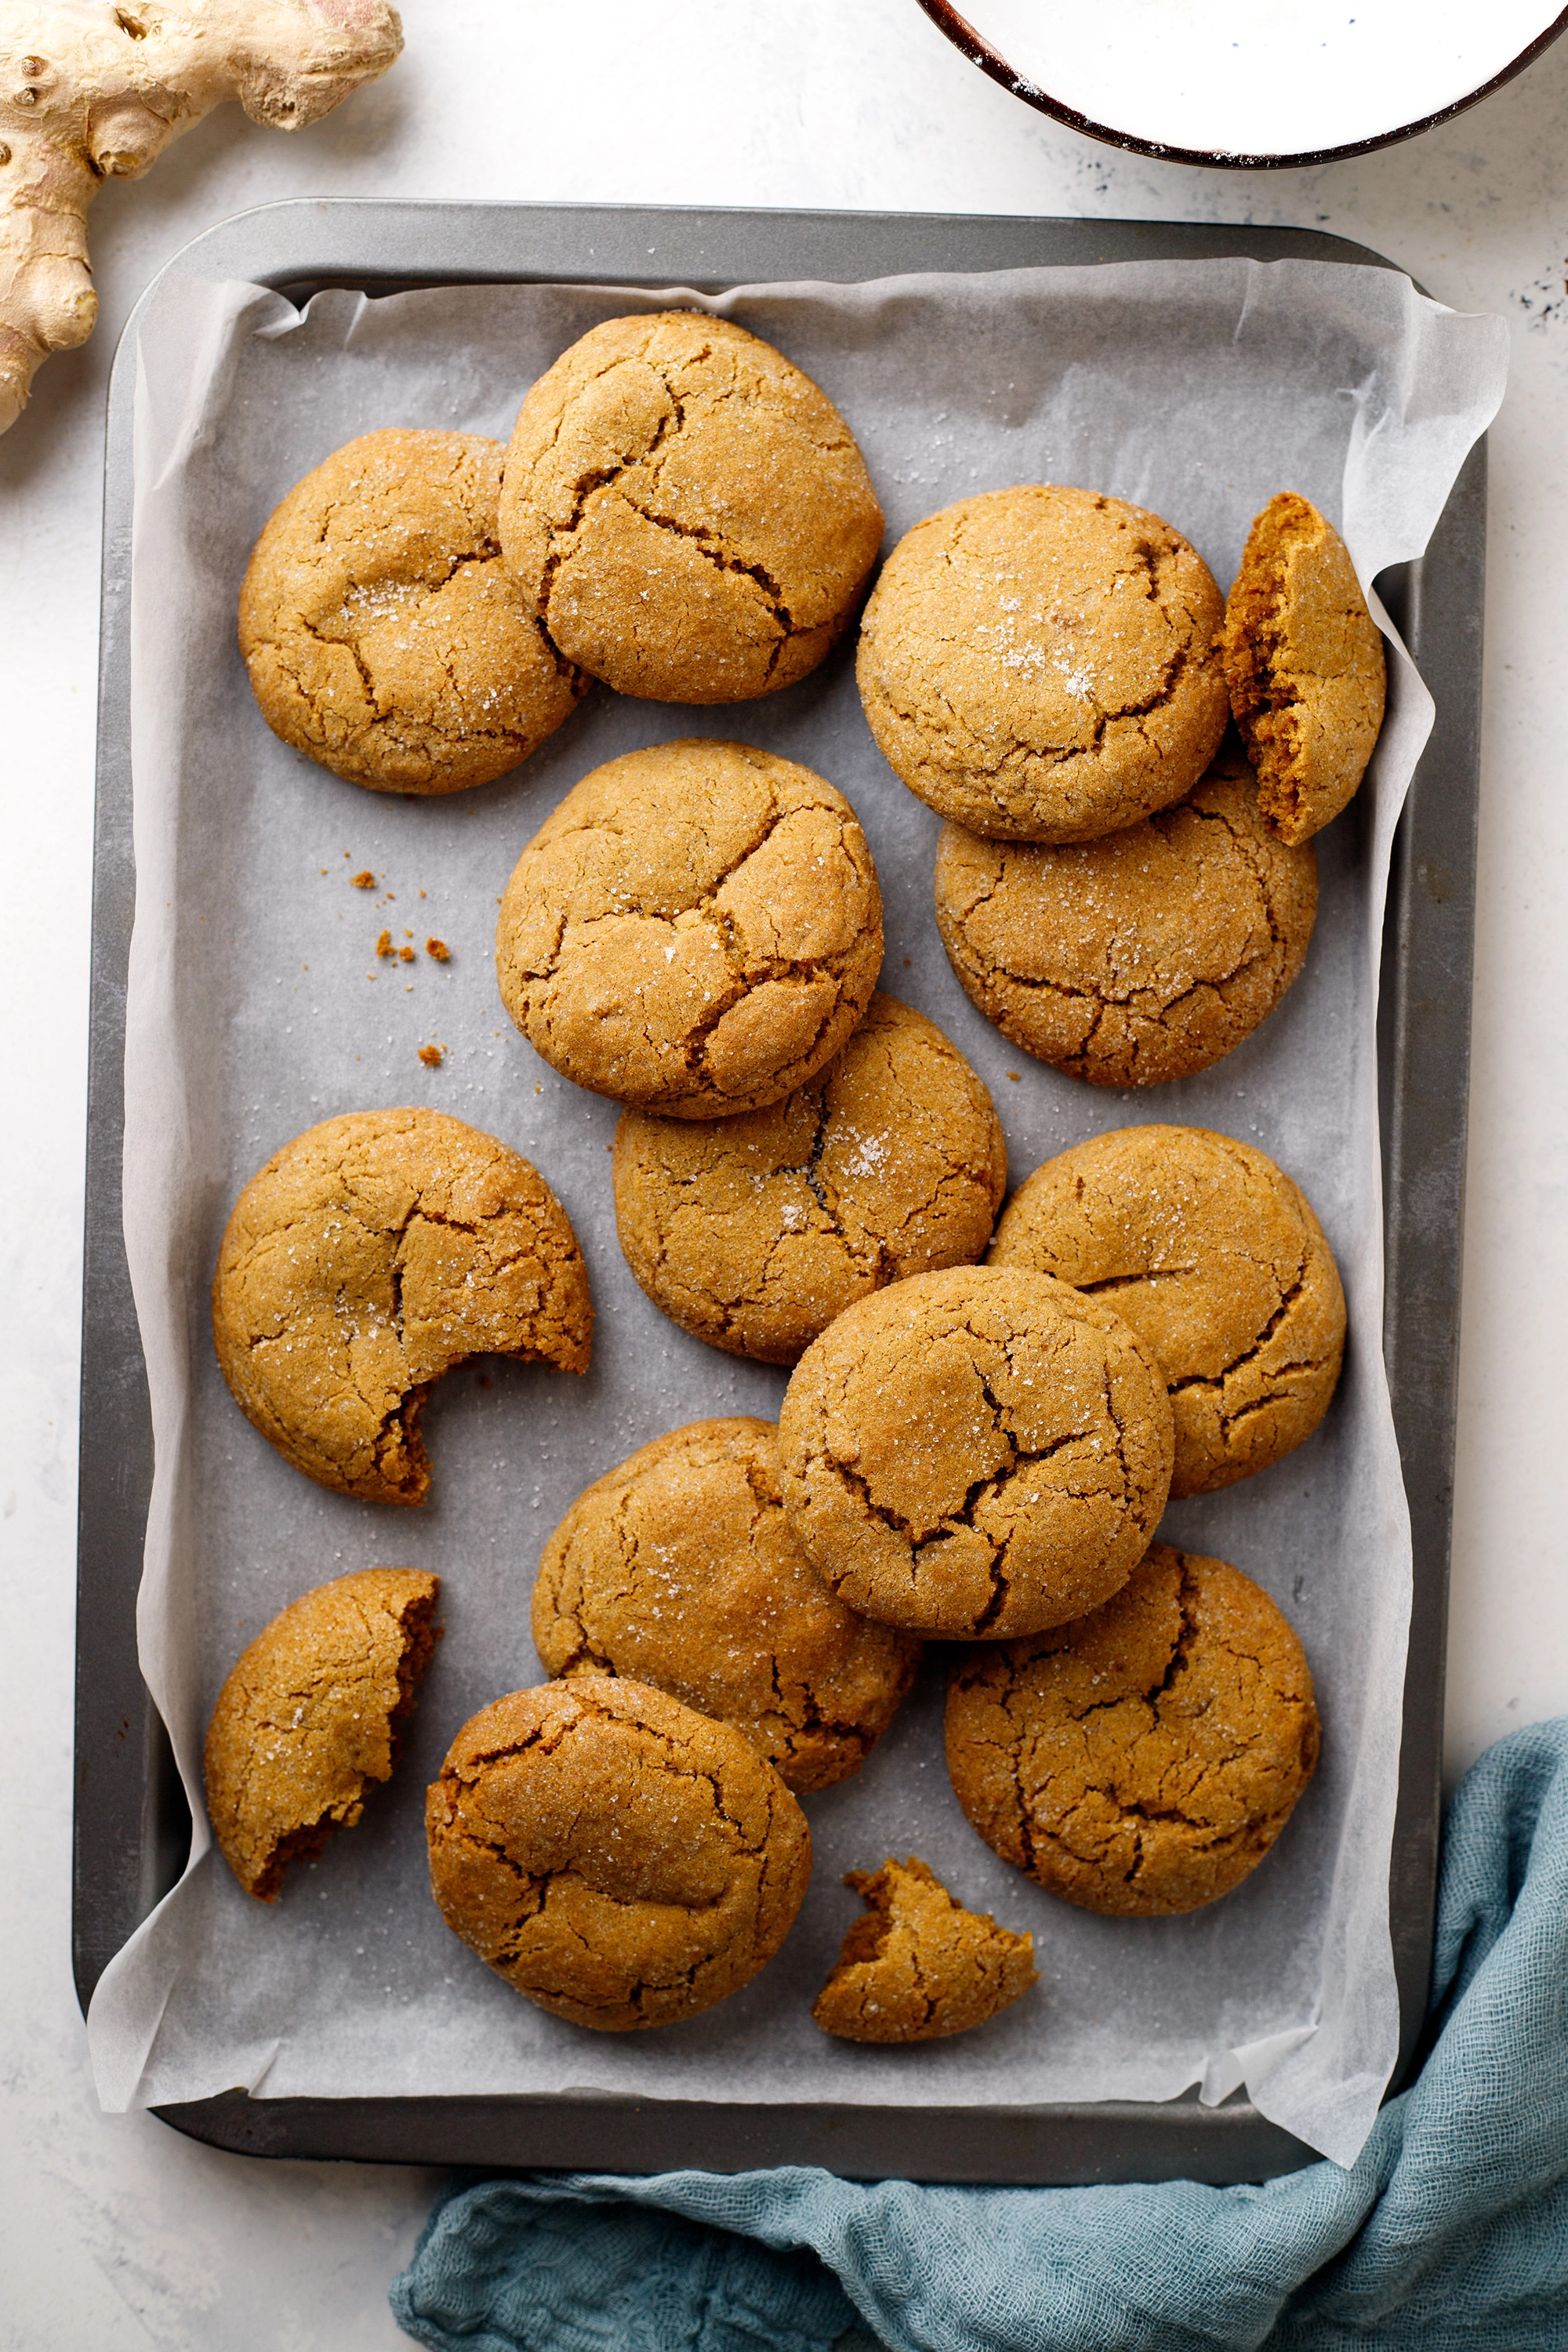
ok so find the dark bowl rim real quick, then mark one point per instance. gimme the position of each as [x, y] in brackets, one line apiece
[979, 51]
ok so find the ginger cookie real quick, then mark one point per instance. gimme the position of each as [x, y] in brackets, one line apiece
[1215, 1259]
[975, 1454]
[1144, 1760]
[1139, 957]
[687, 514]
[695, 931]
[916, 1966]
[753, 1232]
[370, 1256]
[616, 1857]
[383, 634]
[680, 1570]
[1039, 664]
[1304, 663]
[309, 1716]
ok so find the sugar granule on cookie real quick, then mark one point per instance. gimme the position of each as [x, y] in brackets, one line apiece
[383, 634]
[695, 931]
[1212, 1255]
[975, 1454]
[1137, 959]
[1039, 664]
[618, 1858]
[916, 1966]
[1144, 1760]
[309, 1717]
[686, 511]
[1305, 667]
[680, 1570]
[368, 1257]
[753, 1232]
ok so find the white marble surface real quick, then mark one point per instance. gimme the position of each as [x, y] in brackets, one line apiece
[114, 2233]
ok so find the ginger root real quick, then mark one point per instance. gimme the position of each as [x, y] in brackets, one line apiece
[93, 90]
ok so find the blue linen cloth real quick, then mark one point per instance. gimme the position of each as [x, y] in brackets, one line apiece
[1451, 2230]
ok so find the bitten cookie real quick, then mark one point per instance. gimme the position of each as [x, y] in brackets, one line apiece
[369, 1256]
[917, 1965]
[753, 1232]
[1144, 1760]
[1215, 1259]
[309, 1716]
[686, 512]
[1139, 957]
[975, 1454]
[383, 634]
[1039, 664]
[696, 929]
[680, 1570]
[616, 1857]
[1304, 663]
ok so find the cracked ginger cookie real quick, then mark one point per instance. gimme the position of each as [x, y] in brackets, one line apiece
[383, 634]
[309, 1717]
[695, 931]
[1214, 1256]
[680, 1570]
[615, 1856]
[1039, 664]
[753, 1232]
[370, 1256]
[975, 1454]
[686, 511]
[1139, 957]
[916, 1966]
[1305, 667]
[1144, 1760]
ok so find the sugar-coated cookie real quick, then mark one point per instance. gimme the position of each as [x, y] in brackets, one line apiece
[975, 1454]
[753, 1232]
[369, 1256]
[1139, 957]
[916, 1966]
[309, 1716]
[696, 929]
[1214, 1256]
[686, 511]
[1144, 1760]
[616, 1857]
[1305, 667]
[383, 634]
[1039, 664]
[680, 1570]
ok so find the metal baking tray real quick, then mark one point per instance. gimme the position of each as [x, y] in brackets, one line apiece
[132, 1825]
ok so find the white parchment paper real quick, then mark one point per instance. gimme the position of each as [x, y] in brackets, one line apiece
[257, 1006]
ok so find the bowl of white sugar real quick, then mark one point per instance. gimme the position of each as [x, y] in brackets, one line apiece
[1252, 84]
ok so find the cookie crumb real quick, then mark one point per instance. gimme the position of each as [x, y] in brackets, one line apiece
[1016, 1076]
[431, 1055]
[364, 880]
[384, 946]
[439, 950]
[404, 955]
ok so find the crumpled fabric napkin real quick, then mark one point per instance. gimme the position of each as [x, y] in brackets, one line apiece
[1450, 2231]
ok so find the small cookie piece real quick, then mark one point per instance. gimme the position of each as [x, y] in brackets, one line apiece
[369, 1256]
[1039, 664]
[1305, 667]
[309, 1716]
[680, 1570]
[1215, 1259]
[383, 634]
[696, 929]
[686, 512]
[1139, 957]
[975, 1454]
[1144, 1760]
[917, 1965]
[615, 1856]
[753, 1232]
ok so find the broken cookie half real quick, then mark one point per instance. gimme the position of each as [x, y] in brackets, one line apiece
[916, 1966]
[309, 1717]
